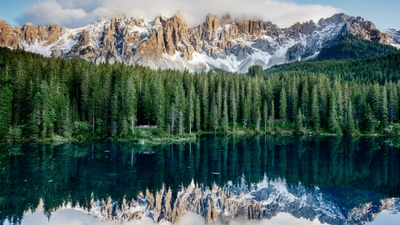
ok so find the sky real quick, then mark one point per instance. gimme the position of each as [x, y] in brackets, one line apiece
[78, 13]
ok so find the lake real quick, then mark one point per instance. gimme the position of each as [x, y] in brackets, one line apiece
[215, 180]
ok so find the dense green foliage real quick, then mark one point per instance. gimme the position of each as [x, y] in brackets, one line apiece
[47, 98]
[351, 47]
[380, 69]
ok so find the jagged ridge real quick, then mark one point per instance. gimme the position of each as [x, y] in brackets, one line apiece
[223, 204]
[218, 43]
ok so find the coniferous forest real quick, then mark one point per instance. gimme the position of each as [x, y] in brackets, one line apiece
[51, 97]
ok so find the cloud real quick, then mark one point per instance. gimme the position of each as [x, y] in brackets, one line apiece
[75, 13]
[51, 12]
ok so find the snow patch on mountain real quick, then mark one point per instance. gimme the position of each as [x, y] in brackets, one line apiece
[167, 43]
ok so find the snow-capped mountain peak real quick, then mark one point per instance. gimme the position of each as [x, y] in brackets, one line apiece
[218, 43]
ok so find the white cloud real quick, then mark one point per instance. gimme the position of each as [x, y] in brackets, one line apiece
[75, 13]
[51, 12]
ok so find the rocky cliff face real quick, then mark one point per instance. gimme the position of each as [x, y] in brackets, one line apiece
[223, 204]
[219, 42]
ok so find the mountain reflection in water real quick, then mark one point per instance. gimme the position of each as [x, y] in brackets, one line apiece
[325, 180]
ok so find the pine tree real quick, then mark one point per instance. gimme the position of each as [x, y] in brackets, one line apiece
[370, 119]
[384, 112]
[283, 106]
[35, 119]
[305, 99]
[131, 102]
[180, 124]
[205, 104]
[315, 109]
[114, 115]
[349, 129]
[160, 104]
[197, 118]
[256, 103]
[5, 110]
[172, 118]
[218, 99]
[247, 107]
[392, 106]
[294, 99]
[271, 116]
[233, 107]
[190, 108]
[214, 115]
[333, 120]
[339, 102]
[265, 115]
[299, 123]
[225, 116]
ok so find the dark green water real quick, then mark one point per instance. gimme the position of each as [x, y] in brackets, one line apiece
[350, 172]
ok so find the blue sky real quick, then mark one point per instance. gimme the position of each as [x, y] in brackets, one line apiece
[75, 13]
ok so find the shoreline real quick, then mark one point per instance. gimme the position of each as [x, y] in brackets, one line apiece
[156, 140]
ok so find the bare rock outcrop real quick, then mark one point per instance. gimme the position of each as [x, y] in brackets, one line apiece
[219, 42]
[9, 37]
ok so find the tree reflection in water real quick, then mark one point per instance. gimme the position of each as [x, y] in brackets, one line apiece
[354, 172]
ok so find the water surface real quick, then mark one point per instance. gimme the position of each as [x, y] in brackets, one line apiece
[221, 180]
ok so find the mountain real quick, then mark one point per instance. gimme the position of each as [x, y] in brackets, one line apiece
[394, 37]
[218, 43]
[263, 200]
[352, 47]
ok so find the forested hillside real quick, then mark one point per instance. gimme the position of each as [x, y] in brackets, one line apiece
[351, 47]
[51, 97]
[379, 69]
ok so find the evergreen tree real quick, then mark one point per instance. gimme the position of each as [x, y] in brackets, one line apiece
[131, 103]
[172, 118]
[333, 117]
[258, 120]
[114, 115]
[283, 106]
[294, 102]
[214, 115]
[35, 120]
[180, 120]
[271, 116]
[299, 123]
[315, 109]
[190, 108]
[370, 119]
[219, 100]
[197, 114]
[233, 107]
[349, 125]
[225, 116]
[5, 110]
[205, 104]
[392, 104]
[256, 103]
[247, 107]
[384, 112]
[305, 99]
[265, 115]
[160, 105]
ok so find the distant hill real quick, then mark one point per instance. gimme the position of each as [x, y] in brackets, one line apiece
[352, 47]
[378, 69]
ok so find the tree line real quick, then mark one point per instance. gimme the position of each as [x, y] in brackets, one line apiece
[47, 97]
